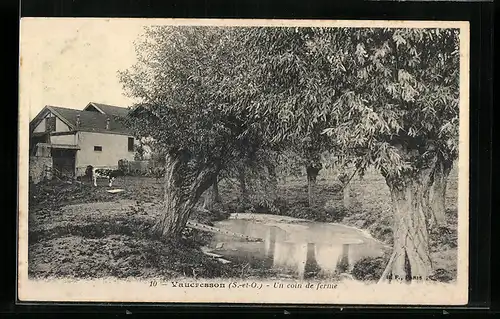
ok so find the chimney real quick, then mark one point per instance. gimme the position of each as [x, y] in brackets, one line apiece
[78, 120]
[107, 123]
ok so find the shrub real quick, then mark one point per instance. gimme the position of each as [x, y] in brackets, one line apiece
[442, 275]
[369, 268]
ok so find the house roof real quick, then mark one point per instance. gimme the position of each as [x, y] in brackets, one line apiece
[109, 109]
[90, 121]
[137, 109]
[140, 109]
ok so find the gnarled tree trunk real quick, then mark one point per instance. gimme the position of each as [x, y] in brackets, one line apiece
[208, 202]
[182, 190]
[411, 256]
[312, 174]
[345, 181]
[215, 191]
[437, 197]
[211, 196]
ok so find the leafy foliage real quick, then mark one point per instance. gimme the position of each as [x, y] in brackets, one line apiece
[288, 86]
[183, 77]
[226, 98]
[401, 107]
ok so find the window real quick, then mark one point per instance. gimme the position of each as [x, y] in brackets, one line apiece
[50, 124]
[98, 148]
[130, 144]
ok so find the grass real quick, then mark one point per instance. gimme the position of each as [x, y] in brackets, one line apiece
[78, 231]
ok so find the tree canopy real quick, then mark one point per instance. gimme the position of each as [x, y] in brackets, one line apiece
[221, 98]
[401, 108]
[181, 78]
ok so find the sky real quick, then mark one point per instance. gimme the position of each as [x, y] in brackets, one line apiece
[71, 62]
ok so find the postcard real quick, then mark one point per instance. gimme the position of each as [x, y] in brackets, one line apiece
[243, 161]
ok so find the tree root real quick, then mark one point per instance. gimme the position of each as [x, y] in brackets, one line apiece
[387, 268]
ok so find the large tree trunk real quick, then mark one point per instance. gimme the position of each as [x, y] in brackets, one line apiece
[183, 188]
[215, 191]
[347, 195]
[211, 196]
[244, 198]
[312, 173]
[345, 181]
[411, 256]
[208, 202]
[437, 198]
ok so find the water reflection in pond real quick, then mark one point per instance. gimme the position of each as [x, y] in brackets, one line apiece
[299, 246]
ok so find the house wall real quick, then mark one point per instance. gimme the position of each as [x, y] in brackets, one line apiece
[60, 125]
[114, 148]
[63, 139]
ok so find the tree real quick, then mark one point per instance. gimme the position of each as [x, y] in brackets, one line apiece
[389, 98]
[446, 154]
[212, 195]
[261, 180]
[180, 78]
[312, 155]
[219, 98]
[257, 180]
[400, 109]
[139, 152]
[345, 180]
[289, 84]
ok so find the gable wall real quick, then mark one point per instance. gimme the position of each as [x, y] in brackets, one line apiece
[60, 125]
[92, 109]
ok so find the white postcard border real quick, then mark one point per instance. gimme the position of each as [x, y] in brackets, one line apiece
[346, 292]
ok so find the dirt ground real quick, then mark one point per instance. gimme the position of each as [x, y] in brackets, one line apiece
[76, 230]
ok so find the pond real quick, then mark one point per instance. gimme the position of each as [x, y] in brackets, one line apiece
[295, 245]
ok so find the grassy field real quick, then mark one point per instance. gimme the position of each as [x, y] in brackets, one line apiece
[79, 231]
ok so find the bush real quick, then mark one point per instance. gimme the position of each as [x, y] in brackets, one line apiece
[382, 232]
[369, 268]
[442, 275]
[317, 214]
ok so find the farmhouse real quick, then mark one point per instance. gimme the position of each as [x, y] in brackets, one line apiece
[74, 139]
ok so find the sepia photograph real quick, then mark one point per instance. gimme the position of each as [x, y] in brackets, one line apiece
[243, 161]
